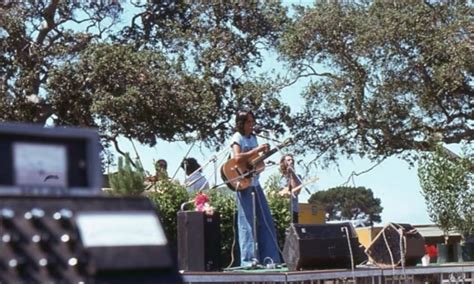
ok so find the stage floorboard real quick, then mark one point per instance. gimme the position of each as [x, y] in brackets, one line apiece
[449, 273]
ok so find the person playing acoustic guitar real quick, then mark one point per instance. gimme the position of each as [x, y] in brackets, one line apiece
[257, 236]
[290, 183]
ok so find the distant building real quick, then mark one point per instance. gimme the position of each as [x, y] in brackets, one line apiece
[434, 235]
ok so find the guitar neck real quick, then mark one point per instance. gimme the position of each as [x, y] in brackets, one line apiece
[265, 155]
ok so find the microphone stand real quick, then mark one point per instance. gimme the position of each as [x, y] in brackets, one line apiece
[292, 176]
[255, 261]
[268, 138]
[290, 188]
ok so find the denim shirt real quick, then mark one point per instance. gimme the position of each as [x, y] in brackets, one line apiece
[284, 182]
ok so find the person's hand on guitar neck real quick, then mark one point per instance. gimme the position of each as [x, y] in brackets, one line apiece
[262, 148]
[285, 192]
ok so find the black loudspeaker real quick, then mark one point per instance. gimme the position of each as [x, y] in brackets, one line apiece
[198, 241]
[394, 243]
[321, 246]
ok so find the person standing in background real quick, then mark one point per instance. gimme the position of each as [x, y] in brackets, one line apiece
[194, 181]
[290, 184]
[161, 174]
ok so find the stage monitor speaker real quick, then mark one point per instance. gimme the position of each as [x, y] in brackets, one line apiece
[321, 246]
[198, 241]
[396, 242]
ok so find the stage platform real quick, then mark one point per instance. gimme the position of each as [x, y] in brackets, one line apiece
[451, 273]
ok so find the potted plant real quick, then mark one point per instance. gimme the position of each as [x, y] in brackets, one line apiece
[446, 184]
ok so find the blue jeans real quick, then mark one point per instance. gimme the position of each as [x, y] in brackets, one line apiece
[266, 236]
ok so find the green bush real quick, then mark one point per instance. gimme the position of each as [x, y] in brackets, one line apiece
[168, 197]
[127, 180]
[223, 201]
[279, 206]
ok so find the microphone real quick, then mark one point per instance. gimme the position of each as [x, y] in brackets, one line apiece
[259, 129]
[292, 170]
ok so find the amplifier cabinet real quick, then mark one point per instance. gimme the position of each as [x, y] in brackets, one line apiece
[321, 246]
[198, 241]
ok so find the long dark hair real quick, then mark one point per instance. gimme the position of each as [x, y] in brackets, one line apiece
[283, 166]
[190, 165]
[240, 120]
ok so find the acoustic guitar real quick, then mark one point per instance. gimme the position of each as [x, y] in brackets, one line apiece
[238, 176]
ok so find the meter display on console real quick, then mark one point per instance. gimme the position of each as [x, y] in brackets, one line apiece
[125, 228]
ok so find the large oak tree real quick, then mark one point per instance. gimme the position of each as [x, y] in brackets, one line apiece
[385, 77]
[173, 70]
[349, 203]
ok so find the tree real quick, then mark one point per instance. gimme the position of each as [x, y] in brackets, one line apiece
[349, 203]
[36, 37]
[386, 78]
[447, 188]
[178, 70]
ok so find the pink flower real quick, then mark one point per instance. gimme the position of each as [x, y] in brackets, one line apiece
[201, 202]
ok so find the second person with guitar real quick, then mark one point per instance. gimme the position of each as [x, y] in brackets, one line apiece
[257, 236]
[290, 184]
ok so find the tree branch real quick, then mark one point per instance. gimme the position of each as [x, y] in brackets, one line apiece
[48, 15]
[354, 174]
[117, 148]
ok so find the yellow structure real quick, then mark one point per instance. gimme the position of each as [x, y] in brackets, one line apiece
[310, 214]
[367, 234]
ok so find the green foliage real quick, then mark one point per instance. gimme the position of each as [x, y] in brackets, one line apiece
[223, 201]
[127, 180]
[279, 206]
[349, 203]
[168, 197]
[136, 75]
[447, 188]
[414, 62]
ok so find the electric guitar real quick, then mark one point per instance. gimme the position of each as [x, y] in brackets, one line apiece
[238, 176]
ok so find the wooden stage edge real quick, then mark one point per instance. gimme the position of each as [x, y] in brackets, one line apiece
[463, 272]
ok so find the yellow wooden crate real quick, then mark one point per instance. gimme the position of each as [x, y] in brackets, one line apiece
[310, 214]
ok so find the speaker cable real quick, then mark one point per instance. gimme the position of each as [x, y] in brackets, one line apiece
[350, 251]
